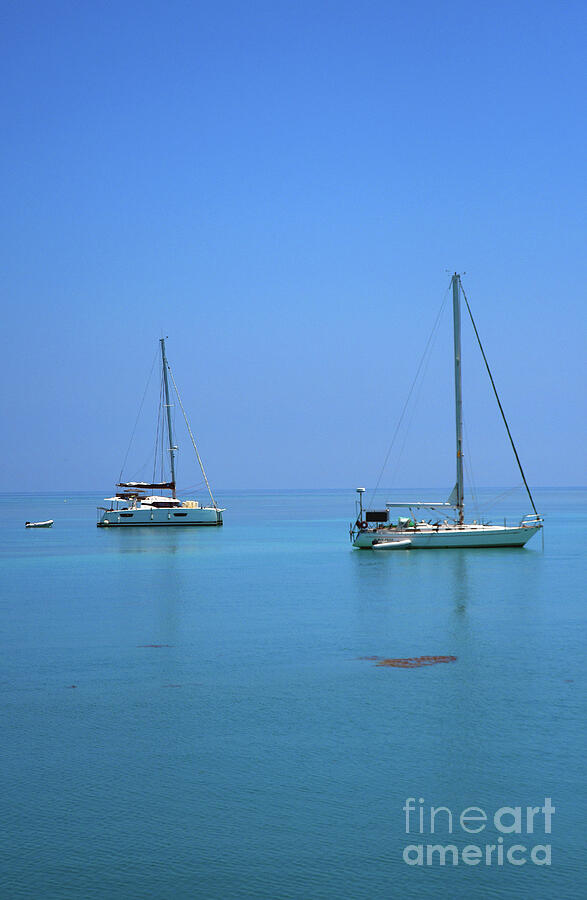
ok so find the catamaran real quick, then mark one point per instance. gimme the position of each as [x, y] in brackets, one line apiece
[141, 503]
[374, 530]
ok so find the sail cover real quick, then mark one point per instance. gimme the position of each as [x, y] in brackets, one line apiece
[143, 485]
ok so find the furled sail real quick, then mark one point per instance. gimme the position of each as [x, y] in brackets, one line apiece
[454, 496]
[144, 485]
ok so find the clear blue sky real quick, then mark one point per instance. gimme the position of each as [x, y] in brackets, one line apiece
[280, 188]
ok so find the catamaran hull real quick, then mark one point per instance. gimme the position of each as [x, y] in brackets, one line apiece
[124, 518]
[482, 536]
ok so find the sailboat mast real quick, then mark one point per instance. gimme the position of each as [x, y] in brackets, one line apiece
[168, 408]
[456, 309]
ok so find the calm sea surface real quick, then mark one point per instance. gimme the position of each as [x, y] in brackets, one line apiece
[185, 714]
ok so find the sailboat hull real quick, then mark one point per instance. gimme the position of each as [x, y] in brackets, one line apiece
[126, 518]
[451, 537]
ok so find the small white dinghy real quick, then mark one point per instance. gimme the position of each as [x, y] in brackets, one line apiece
[46, 524]
[391, 545]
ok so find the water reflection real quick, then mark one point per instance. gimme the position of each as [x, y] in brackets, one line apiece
[439, 571]
[156, 540]
[458, 568]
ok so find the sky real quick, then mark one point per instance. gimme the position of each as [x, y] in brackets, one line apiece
[282, 190]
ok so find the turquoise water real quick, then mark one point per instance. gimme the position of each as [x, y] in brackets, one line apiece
[251, 754]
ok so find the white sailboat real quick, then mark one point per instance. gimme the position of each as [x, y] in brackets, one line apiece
[141, 503]
[373, 529]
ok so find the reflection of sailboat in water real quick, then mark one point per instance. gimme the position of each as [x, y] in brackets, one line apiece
[457, 573]
[372, 528]
[141, 502]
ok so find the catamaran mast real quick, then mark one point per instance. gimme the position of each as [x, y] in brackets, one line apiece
[456, 309]
[168, 408]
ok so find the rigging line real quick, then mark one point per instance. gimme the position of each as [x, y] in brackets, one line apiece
[143, 469]
[499, 402]
[469, 468]
[494, 500]
[192, 437]
[411, 417]
[190, 488]
[469, 474]
[159, 410]
[410, 392]
[137, 418]
[163, 442]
